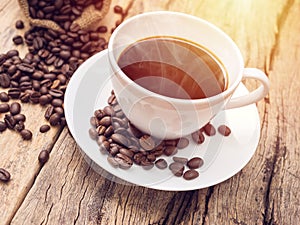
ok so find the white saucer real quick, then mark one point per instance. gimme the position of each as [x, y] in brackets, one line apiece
[223, 157]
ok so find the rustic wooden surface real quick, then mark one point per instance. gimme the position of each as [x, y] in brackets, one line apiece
[66, 190]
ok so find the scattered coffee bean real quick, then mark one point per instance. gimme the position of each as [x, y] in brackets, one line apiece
[111, 160]
[182, 143]
[4, 97]
[161, 164]
[9, 121]
[2, 126]
[177, 168]
[18, 40]
[180, 160]
[4, 107]
[20, 117]
[4, 175]
[120, 139]
[19, 24]
[44, 128]
[43, 156]
[26, 134]
[224, 130]
[198, 137]
[15, 108]
[195, 163]
[19, 126]
[124, 161]
[54, 119]
[147, 142]
[190, 174]
[118, 9]
[209, 129]
[170, 150]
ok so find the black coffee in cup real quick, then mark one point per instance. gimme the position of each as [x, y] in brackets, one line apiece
[174, 67]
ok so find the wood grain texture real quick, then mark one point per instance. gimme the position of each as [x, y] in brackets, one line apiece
[67, 190]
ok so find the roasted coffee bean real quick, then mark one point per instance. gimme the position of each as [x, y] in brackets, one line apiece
[151, 157]
[109, 131]
[14, 93]
[103, 146]
[12, 53]
[94, 121]
[10, 121]
[18, 40]
[56, 93]
[43, 100]
[4, 175]
[19, 126]
[136, 132]
[19, 24]
[4, 97]
[161, 164]
[170, 150]
[102, 29]
[182, 143]
[224, 130]
[15, 108]
[195, 163]
[122, 122]
[124, 161]
[57, 102]
[2, 126]
[108, 110]
[26, 68]
[43, 156]
[127, 152]
[20, 117]
[209, 129]
[190, 174]
[177, 168]
[146, 164]
[120, 139]
[170, 142]
[54, 119]
[101, 130]
[93, 133]
[44, 128]
[112, 100]
[118, 9]
[180, 160]
[35, 97]
[26, 134]
[111, 160]
[147, 142]
[4, 107]
[198, 137]
[105, 121]
[24, 97]
[4, 80]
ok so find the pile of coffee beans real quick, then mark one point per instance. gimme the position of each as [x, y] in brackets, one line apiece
[42, 75]
[125, 145]
[60, 11]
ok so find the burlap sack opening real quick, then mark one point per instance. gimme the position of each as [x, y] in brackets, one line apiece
[88, 19]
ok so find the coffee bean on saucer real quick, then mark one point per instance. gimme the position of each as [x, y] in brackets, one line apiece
[124, 161]
[195, 163]
[26, 134]
[190, 174]
[43, 156]
[209, 129]
[180, 160]
[182, 143]
[147, 142]
[120, 139]
[224, 130]
[111, 160]
[4, 175]
[198, 137]
[44, 128]
[161, 164]
[176, 168]
[170, 150]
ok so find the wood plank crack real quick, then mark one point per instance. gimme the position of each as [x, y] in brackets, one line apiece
[209, 193]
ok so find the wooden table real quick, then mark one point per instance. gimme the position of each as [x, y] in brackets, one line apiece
[66, 190]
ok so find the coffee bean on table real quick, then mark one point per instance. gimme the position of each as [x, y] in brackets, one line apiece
[2, 126]
[195, 163]
[15, 108]
[54, 119]
[44, 128]
[18, 40]
[161, 164]
[190, 174]
[209, 129]
[19, 24]
[4, 175]
[4, 107]
[224, 130]
[26, 134]
[4, 97]
[147, 142]
[14, 93]
[9, 121]
[20, 117]
[4, 80]
[19, 126]
[43, 156]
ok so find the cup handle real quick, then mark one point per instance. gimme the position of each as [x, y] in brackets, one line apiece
[255, 95]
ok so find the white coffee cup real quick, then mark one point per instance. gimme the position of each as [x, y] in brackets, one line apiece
[165, 117]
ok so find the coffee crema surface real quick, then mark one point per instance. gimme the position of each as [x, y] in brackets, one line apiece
[174, 67]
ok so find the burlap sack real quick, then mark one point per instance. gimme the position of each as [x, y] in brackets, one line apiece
[89, 18]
